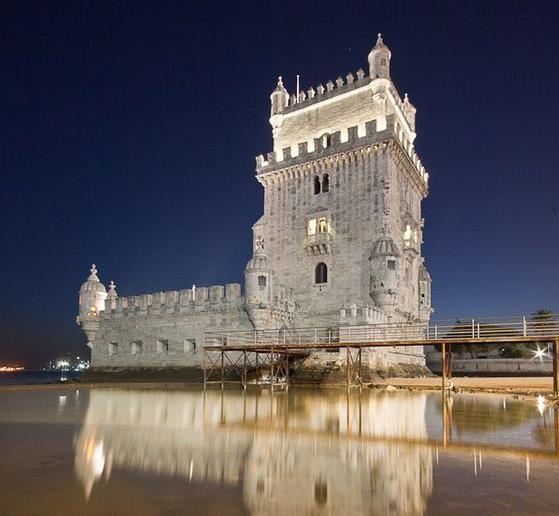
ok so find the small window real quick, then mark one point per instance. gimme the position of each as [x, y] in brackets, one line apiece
[383, 62]
[261, 281]
[325, 183]
[392, 265]
[322, 225]
[136, 347]
[162, 347]
[321, 273]
[326, 140]
[316, 185]
[113, 348]
[189, 345]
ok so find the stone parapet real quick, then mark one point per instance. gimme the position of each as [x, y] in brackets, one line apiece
[371, 132]
[201, 299]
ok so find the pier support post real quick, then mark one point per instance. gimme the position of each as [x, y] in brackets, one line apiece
[556, 367]
[222, 369]
[244, 375]
[443, 366]
[348, 367]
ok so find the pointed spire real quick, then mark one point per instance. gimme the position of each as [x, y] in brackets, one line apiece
[93, 276]
[112, 294]
[380, 42]
[280, 86]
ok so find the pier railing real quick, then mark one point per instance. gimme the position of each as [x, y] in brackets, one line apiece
[514, 328]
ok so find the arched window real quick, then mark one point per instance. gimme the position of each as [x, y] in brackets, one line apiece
[316, 185]
[321, 273]
[326, 140]
[325, 183]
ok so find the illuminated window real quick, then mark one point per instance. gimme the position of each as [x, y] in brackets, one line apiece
[326, 140]
[261, 281]
[316, 185]
[311, 227]
[163, 347]
[321, 273]
[136, 347]
[113, 348]
[325, 183]
[322, 225]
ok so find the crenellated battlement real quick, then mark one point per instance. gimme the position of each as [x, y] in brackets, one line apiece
[329, 90]
[201, 299]
[370, 132]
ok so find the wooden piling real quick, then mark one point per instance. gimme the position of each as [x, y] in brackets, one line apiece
[556, 367]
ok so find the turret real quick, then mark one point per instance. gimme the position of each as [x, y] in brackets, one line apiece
[379, 60]
[259, 278]
[91, 302]
[384, 273]
[279, 98]
[424, 290]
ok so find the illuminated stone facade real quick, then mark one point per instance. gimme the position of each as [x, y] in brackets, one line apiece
[338, 244]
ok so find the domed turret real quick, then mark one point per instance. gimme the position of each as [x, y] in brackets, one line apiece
[91, 302]
[384, 272]
[379, 60]
[424, 290]
[258, 280]
[279, 98]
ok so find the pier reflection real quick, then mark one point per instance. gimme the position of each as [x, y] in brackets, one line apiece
[301, 452]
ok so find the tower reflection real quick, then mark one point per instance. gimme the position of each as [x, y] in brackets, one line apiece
[299, 452]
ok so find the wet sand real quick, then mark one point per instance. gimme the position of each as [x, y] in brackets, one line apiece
[512, 385]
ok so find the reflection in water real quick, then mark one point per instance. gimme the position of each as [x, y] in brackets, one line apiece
[290, 453]
[308, 452]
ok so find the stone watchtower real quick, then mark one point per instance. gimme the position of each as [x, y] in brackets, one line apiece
[342, 225]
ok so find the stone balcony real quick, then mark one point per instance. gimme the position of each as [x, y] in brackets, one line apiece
[320, 243]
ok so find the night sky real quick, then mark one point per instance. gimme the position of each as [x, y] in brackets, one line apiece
[128, 133]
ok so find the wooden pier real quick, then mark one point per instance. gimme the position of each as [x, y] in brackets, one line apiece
[269, 357]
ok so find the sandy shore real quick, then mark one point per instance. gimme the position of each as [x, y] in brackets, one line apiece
[514, 385]
[531, 386]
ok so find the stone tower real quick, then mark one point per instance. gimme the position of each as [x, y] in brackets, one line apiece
[342, 225]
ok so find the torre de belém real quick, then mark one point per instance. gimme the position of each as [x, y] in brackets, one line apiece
[338, 244]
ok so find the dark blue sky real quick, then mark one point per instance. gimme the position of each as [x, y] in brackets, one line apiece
[128, 134]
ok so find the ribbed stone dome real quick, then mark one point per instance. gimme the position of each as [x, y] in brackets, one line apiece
[423, 273]
[259, 262]
[385, 247]
[93, 284]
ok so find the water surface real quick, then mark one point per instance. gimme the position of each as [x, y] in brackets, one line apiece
[118, 451]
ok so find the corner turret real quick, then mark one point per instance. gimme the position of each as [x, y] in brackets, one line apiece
[425, 309]
[91, 301]
[279, 98]
[384, 277]
[379, 60]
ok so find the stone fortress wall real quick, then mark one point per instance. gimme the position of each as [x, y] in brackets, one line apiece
[338, 244]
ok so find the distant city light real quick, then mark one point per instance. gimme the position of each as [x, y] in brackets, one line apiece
[11, 369]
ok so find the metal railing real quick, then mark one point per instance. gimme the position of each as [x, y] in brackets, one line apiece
[479, 329]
